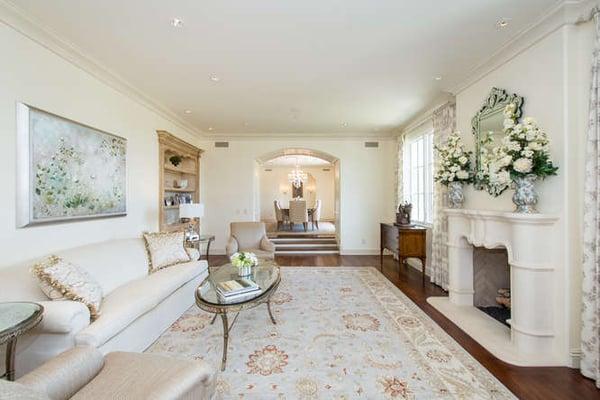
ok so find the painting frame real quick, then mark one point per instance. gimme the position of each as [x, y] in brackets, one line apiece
[26, 174]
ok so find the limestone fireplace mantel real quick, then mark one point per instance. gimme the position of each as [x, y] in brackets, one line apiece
[534, 337]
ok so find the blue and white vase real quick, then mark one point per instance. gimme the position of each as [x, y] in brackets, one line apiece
[525, 197]
[456, 197]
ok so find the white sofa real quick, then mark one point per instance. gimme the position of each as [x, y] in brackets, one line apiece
[137, 307]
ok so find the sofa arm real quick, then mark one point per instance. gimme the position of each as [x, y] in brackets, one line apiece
[63, 316]
[267, 245]
[232, 246]
[64, 375]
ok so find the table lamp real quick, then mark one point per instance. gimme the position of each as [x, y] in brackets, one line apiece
[191, 211]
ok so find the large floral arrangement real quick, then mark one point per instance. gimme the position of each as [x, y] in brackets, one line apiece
[455, 161]
[523, 152]
[244, 259]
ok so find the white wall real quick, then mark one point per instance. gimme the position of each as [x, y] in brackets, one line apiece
[32, 74]
[274, 185]
[553, 76]
[366, 179]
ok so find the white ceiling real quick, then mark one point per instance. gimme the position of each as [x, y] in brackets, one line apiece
[289, 66]
[305, 161]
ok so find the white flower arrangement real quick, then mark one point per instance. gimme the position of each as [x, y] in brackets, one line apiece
[524, 151]
[244, 259]
[454, 161]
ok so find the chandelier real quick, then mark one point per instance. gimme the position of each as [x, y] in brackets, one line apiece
[297, 176]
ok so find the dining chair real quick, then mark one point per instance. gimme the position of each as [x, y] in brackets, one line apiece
[278, 214]
[298, 214]
[316, 214]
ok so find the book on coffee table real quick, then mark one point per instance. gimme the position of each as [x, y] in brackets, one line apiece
[237, 287]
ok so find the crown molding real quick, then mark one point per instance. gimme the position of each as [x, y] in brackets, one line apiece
[14, 17]
[301, 136]
[565, 12]
[425, 116]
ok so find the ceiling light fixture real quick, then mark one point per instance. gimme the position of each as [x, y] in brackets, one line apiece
[502, 23]
[214, 78]
[297, 177]
[344, 124]
[210, 128]
[438, 78]
[176, 23]
[188, 111]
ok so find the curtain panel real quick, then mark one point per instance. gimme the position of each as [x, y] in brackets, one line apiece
[444, 123]
[590, 332]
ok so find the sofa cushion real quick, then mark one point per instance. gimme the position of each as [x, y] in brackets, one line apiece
[61, 280]
[17, 391]
[128, 302]
[137, 376]
[112, 263]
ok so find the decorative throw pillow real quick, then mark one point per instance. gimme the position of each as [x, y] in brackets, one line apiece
[61, 280]
[165, 249]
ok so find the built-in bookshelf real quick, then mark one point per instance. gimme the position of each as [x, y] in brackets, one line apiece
[179, 171]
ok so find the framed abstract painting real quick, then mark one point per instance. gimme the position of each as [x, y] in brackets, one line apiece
[67, 170]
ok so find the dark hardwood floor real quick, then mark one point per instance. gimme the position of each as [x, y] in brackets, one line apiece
[525, 382]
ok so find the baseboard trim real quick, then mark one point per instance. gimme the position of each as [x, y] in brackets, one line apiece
[575, 355]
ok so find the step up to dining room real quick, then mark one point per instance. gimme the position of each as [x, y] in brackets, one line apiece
[294, 244]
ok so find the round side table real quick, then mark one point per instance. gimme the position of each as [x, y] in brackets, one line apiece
[16, 318]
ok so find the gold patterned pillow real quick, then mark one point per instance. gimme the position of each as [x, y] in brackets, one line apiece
[165, 249]
[61, 280]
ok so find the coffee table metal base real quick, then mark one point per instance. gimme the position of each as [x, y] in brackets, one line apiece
[227, 328]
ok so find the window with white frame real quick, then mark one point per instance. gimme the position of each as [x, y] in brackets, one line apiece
[418, 174]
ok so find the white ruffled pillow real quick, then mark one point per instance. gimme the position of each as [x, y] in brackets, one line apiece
[61, 280]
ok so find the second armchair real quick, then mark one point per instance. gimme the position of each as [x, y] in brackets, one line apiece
[251, 237]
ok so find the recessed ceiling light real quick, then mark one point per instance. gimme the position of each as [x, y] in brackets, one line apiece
[437, 78]
[214, 78]
[176, 22]
[210, 128]
[502, 23]
[344, 124]
[188, 111]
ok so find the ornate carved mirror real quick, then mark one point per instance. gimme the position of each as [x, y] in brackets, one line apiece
[489, 123]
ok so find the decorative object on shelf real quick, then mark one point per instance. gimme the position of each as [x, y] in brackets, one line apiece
[175, 160]
[191, 211]
[487, 126]
[522, 158]
[180, 184]
[67, 170]
[403, 214]
[297, 177]
[244, 261]
[454, 168]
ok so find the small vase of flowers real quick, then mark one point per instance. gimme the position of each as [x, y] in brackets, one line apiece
[244, 261]
[524, 156]
[454, 169]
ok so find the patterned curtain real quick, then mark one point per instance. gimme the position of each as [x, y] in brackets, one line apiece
[444, 123]
[590, 332]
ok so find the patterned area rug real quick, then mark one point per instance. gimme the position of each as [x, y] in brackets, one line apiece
[341, 333]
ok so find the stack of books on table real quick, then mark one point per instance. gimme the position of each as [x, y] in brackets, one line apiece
[237, 289]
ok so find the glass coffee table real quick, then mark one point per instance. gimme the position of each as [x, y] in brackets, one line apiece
[266, 275]
[16, 318]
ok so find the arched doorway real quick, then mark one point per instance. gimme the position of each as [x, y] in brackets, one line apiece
[321, 173]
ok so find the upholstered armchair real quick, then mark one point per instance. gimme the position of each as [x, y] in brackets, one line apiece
[299, 213]
[316, 216]
[252, 237]
[84, 373]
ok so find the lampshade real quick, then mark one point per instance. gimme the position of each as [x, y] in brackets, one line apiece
[191, 210]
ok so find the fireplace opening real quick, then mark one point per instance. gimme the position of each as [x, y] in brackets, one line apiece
[491, 283]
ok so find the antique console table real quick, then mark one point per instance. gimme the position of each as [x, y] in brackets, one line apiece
[406, 241]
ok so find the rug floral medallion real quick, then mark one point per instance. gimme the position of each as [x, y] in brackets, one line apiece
[341, 333]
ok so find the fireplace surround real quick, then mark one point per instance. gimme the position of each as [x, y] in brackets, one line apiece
[535, 337]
